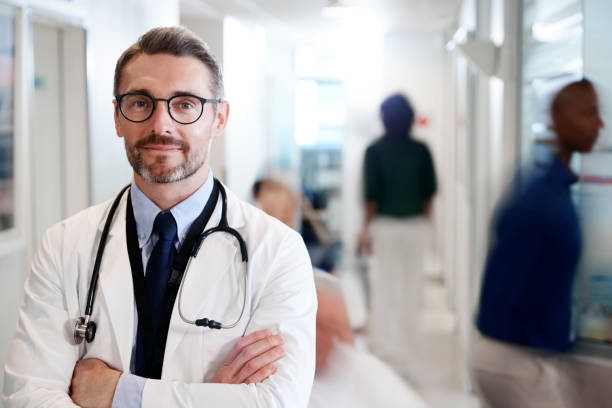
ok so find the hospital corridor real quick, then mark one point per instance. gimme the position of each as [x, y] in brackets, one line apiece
[306, 204]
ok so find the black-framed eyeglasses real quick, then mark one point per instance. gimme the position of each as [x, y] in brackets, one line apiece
[184, 108]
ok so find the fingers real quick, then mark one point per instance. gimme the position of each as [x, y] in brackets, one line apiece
[244, 342]
[251, 358]
[259, 362]
[256, 349]
[261, 374]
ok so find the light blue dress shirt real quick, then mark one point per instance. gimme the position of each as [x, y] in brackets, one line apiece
[128, 393]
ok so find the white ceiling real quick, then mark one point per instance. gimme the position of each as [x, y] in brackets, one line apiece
[305, 15]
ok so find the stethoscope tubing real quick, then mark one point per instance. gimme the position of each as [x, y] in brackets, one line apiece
[96, 269]
[223, 326]
[82, 324]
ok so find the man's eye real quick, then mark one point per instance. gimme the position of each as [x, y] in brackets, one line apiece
[139, 104]
[184, 104]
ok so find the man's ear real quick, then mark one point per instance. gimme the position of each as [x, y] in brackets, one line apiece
[221, 116]
[116, 117]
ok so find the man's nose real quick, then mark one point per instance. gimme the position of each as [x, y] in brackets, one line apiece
[161, 120]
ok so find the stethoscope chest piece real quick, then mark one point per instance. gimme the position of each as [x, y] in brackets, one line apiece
[83, 329]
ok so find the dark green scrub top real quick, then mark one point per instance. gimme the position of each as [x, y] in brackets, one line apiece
[399, 176]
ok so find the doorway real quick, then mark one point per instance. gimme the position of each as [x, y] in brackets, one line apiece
[59, 133]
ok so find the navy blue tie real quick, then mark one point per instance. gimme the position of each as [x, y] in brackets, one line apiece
[156, 279]
[160, 264]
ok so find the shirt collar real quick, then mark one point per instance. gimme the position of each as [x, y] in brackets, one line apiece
[184, 212]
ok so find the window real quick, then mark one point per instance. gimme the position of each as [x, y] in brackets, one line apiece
[552, 57]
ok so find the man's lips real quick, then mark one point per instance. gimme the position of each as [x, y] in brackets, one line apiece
[161, 147]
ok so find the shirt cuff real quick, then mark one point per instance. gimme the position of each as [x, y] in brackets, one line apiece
[128, 393]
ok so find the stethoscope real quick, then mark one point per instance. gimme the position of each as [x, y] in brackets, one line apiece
[85, 327]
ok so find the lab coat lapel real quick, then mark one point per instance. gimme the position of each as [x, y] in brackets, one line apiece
[116, 286]
[216, 256]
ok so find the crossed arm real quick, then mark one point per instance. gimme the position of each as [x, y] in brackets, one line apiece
[251, 360]
[44, 368]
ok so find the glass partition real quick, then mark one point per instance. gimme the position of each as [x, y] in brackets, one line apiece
[594, 289]
[552, 55]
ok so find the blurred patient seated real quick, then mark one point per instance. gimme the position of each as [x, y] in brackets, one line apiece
[345, 375]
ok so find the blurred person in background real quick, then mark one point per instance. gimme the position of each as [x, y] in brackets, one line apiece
[399, 185]
[319, 242]
[525, 304]
[321, 248]
[345, 375]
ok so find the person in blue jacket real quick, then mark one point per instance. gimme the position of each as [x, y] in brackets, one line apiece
[524, 315]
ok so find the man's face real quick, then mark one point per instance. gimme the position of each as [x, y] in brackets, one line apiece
[160, 149]
[577, 123]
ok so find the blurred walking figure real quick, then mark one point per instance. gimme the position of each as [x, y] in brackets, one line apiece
[525, 302]
[399, 184]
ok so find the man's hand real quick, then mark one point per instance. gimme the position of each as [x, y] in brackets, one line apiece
[93, 384]
[252, 358]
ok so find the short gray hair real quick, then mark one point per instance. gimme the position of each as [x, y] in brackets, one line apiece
[177, 41]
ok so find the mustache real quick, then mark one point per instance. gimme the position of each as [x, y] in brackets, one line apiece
[155, 139]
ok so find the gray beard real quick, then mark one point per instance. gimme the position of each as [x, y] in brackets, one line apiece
[192, 163]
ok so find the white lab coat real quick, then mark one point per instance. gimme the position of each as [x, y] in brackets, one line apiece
[281, 297]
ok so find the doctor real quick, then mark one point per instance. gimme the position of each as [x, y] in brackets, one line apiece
[167, 110]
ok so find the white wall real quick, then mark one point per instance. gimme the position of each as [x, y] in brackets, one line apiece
[46, 135]
[246, 135]
[211, 31]
[413, 64]
[493, 149]
[58, 122]
[478, 154]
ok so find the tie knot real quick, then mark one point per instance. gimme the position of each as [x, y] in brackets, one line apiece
[165, 226]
